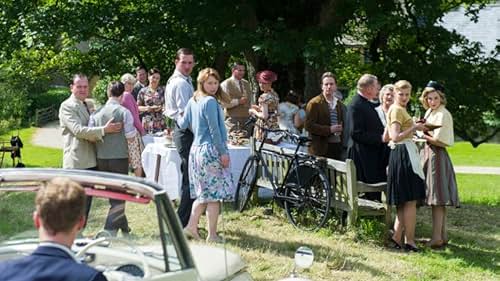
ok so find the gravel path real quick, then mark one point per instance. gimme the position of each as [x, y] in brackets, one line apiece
[477, 170]
[50, 136]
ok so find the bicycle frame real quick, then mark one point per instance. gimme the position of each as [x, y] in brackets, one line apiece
[295, 159]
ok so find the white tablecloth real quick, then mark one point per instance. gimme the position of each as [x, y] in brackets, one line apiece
[147, 139]
[169, 171]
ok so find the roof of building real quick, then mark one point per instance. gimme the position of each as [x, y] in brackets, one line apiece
[486, 30]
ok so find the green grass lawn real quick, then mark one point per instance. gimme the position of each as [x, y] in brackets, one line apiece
[268, 242]
[486, 155]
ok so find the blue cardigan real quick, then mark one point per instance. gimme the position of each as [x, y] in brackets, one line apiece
[204, 117]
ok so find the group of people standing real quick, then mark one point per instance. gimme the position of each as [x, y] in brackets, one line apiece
[374, 130]
[382, 147]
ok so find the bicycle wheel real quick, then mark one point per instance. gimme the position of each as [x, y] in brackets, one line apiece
[307, 197]
[246, 183]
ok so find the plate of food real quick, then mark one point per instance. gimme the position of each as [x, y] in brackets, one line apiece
[432, 126]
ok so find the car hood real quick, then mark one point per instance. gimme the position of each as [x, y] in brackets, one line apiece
[211, 262]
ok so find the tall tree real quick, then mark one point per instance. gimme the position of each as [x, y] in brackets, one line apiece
[397, 39]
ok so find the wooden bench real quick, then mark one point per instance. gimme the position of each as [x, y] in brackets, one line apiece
[345, 187]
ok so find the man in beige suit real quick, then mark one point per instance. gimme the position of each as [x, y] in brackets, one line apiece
[78, 139]
[239, 91]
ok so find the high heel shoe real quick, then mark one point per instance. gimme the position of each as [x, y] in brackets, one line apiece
[411, 248]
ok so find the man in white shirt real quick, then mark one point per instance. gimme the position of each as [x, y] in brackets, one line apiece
[178, 91]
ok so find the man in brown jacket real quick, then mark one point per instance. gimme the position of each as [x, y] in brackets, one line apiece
[239, 91]
[325, 116]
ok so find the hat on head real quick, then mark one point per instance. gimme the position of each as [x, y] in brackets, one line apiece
[266, 76]
[435, 85]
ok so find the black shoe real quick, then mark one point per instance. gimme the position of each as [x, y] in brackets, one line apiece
[393, 244]
[411, 248]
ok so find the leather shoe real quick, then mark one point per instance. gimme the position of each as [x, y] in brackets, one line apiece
[411, 248]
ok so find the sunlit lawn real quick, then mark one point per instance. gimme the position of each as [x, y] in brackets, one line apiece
[268, 242]
[486, 155]
[33, 156]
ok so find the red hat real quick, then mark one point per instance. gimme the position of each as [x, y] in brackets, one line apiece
[266, 76]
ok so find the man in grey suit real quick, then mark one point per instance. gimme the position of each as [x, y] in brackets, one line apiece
[112, 151]
[239, 91]
[177, 94]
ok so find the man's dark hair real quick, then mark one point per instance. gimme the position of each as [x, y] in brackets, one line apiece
[235, 64]
[154, 70]
[115, 89]
[185, 52]
[78, 76]
[140, 67]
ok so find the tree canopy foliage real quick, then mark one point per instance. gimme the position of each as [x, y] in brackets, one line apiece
[393, 39]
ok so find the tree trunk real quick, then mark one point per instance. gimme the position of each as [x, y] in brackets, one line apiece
[312, 87]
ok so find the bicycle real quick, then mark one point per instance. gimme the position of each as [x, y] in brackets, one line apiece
[304, 192]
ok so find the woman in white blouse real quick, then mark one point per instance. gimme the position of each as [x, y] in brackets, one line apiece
[386, 97]
[438, 170]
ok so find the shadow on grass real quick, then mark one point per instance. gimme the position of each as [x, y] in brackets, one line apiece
[473, 231]
[335, 260]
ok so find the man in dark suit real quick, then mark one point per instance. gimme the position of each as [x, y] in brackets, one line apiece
[366, 146]
[325, 115]
[59, 215]
[141, 75]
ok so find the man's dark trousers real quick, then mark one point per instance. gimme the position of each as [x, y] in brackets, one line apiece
[183, 138]
[116, 218]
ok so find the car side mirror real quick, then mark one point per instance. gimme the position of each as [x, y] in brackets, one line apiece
[304, 258]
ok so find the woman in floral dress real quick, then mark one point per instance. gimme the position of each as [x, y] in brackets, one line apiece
[209, 175]
[151, 100]
[266, 109]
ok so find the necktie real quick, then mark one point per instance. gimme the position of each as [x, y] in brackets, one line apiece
[241, 86]
[86, 107]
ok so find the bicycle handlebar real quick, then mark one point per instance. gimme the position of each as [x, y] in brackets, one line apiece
[301, 140]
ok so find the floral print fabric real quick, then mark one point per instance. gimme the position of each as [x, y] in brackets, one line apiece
[208, 180]
[152, 121]
[272, 100]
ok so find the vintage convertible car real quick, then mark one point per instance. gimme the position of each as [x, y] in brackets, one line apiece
[155, 249]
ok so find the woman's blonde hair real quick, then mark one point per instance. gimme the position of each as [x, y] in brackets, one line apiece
[402, 85]
[385, 88]
[128, 78]
[426, 92]
[203, 76]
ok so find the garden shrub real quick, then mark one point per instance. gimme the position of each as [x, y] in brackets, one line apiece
[13, 107]
[54, 96]
[99, 92]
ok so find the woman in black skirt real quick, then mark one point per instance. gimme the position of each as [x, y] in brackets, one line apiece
[405, 179]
